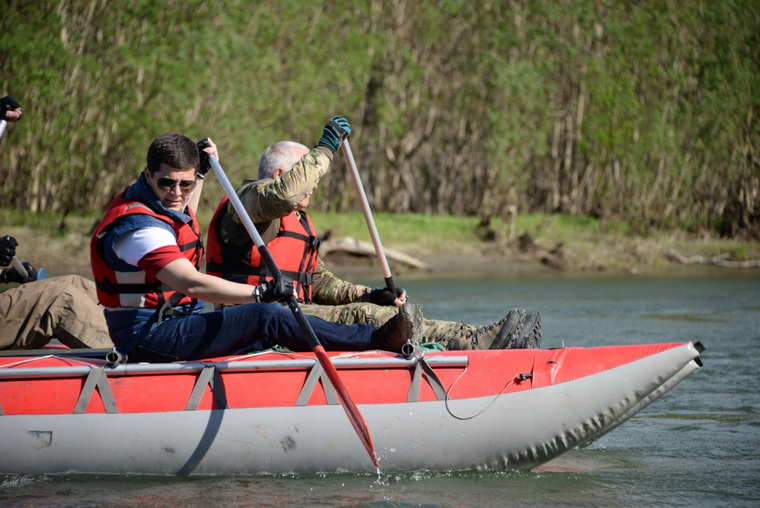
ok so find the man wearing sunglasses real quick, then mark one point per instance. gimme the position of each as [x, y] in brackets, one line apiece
[146, 254]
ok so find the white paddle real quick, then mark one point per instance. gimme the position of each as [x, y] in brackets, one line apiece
[349, 156]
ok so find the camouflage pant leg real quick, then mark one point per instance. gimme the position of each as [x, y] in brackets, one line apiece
[525, 332]
[441, 331]
[368, 313]
[351, 313]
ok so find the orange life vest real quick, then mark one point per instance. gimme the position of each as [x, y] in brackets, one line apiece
[294, 250]
[136, 289]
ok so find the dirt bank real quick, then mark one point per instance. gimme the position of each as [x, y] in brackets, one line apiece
[69, 253]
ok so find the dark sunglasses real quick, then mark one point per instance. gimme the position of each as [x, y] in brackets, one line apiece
[169, 183]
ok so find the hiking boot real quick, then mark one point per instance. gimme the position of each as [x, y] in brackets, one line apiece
[400, 329]
[530, 335]
[499, 335]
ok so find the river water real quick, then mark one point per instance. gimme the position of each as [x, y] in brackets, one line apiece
[698, 445]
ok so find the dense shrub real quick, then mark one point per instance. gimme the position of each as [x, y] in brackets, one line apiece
[646, 111]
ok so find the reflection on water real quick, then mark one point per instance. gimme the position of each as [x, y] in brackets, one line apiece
[696, 446]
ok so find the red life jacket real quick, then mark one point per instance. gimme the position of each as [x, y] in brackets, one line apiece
[294, 250]
[136, 288]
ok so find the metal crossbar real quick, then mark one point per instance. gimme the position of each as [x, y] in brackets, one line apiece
[209, 375]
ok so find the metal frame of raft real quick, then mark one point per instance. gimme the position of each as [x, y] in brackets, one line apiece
[97, 377]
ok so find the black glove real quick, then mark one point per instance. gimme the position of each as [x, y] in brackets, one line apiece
[7, 104]
[274, 290]
[8, 246]
[11, 274]
[384, 296]
[335, 131]
[204, 165]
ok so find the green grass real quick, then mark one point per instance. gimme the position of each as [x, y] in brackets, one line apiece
[430, 231]
[443, 231]
[44, 223]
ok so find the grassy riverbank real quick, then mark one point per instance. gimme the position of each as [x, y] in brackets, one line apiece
[534, 242]
[528, 242]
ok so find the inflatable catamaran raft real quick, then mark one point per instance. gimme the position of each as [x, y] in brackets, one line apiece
[276, 412]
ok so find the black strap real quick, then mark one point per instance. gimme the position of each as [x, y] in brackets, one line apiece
[113, 288]
[311, 249]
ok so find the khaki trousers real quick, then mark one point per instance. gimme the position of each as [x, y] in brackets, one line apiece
[65, 308]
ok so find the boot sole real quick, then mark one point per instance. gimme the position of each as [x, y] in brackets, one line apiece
[510, 331]
[415, 320]
[530, 336]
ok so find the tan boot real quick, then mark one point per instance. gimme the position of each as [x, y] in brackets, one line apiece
[499, 335]
[401, 328]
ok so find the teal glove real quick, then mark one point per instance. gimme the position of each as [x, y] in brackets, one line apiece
[335, 131]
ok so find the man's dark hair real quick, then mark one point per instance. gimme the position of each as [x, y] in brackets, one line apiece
[173, 149]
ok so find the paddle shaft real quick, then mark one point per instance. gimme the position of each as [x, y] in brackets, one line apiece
[356, 418]
[349, 156]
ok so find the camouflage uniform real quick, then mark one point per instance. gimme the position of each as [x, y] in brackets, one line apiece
[333, 299]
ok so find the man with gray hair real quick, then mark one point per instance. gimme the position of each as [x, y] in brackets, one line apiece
[288, 174]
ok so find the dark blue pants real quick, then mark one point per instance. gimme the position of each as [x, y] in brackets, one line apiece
[243, 328]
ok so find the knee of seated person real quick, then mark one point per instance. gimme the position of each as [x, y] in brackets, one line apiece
[271, 309]
[76, 281]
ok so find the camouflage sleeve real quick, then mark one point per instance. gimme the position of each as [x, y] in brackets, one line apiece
[266, 200]
[329, 289]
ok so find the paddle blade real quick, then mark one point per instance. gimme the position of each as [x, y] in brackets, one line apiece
[356, 418]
